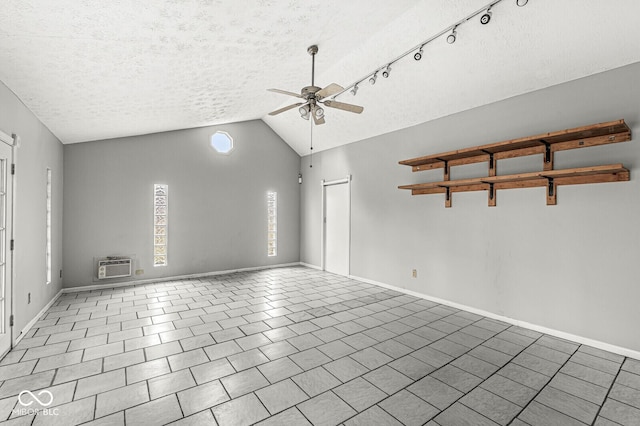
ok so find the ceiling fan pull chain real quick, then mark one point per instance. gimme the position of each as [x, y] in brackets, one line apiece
[311, 149]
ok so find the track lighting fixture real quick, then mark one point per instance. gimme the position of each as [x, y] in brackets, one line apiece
[484, 19]
[449, 33]
[418, 55]
[451, 38]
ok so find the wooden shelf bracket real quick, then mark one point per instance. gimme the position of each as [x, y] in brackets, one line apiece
[551, 192]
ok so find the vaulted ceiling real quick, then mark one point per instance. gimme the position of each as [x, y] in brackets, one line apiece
[95, 70]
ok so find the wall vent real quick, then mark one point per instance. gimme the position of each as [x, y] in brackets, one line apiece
[114, 267]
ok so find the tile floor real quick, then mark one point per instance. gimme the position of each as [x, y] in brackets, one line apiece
[296, 346]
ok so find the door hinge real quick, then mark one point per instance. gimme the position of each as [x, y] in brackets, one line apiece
[11, 321]
[12, 244]
[13, 168]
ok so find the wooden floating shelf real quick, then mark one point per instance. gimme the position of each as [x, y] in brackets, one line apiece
[546, 144]
[550, 179]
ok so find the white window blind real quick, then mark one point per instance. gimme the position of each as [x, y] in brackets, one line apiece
[160, 223]
[272, 224]
[48, 248]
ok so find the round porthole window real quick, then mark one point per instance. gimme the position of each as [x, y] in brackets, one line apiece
[222, 142]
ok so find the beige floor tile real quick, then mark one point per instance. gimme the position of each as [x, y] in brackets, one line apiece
[188, 359]
[147, 370]
[170, 383]
[244, 382]
[121, 399]
[44, 351]
[202, 397]
[242, 411]
[13, 371]
[163, 350]
[70, 414]
[78, 371]
[158, 412]
[102, 351]
[34, 381]
[126, 359]
[280, 396]
[100, 383]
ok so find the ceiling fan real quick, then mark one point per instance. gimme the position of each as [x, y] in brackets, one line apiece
[314, 97]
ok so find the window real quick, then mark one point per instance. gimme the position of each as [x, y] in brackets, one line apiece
[222, 142]
[160, 210]
[48, 248]
[272, 224]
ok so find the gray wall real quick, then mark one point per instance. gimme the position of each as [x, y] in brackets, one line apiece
[38, 150]
[217, 203]
[572, 267]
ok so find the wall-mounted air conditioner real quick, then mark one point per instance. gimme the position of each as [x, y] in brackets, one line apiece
[114, 267]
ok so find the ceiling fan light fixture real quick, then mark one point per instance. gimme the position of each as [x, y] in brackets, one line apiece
[373, 78]
[318, 112]
[521, 3]
[304, 111]
[387, 71]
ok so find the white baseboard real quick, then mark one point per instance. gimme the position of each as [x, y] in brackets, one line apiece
[35, 319]
[174, 278]
[561, 334]
[308, 265]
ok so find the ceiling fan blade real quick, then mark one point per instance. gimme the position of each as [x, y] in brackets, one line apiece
[285, 92]
[287, 108]
[345, 107]
[330, 90]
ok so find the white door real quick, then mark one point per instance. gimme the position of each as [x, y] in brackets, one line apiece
[6, 186]
[337, 232]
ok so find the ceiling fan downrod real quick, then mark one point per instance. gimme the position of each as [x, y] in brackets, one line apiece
[312, 50]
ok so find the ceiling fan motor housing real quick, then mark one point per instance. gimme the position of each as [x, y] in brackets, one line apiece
[310, 91]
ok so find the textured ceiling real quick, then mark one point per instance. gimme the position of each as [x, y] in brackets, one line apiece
[101, 69]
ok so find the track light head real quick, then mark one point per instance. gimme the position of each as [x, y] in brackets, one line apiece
[521, 3]
[418, 55]
[373, 78]
[354, 90]
[486, 18]
[387, 71]
[451, 38]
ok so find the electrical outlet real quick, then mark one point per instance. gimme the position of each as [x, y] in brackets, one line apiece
[414, 273]
[139, 271]
[28, 298]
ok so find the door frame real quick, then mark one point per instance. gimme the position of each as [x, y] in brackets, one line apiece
[9, 304]
[323, 232]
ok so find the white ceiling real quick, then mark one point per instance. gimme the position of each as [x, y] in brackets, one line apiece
[94, 70]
